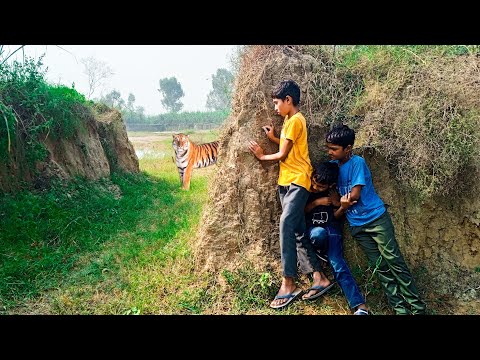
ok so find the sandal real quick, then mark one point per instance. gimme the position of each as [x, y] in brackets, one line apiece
[361, 312]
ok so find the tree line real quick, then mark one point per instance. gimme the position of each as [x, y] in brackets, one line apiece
[136, 119]
[171, 92]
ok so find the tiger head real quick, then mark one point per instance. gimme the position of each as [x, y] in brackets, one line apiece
[180, 142]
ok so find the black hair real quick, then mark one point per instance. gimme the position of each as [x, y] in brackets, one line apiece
[340, 135]
[326, 173]
[287, 87]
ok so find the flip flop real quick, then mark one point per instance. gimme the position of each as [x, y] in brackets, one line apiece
[321, 290]
[290, 298]
[361, 312]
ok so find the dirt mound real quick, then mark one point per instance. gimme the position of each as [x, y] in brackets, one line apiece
[438, 236]
[242, 220]
[97, 149]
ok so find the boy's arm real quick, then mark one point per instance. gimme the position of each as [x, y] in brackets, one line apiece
[281, 155]
[334, 197]
[270, 134]
[325, 201]
[355, 193]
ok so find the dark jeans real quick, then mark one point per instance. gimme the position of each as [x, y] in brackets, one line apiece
[328, 241]
[377, 239]
[293, 199]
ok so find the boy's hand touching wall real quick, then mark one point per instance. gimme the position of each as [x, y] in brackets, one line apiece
[256, 149]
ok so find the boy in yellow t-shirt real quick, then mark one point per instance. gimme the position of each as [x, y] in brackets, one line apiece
[294, 180]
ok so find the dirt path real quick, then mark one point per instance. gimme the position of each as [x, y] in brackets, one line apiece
[148, 138]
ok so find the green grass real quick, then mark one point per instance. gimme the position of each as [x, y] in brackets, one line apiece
[349, 56]
[82, 235]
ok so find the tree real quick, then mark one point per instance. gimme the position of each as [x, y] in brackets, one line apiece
[171, 91]
[131, 102]
[4, 57]
[220, 98]
[97, 72]
[113, 99]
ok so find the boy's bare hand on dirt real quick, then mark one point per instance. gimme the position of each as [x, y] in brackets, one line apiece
[256, 149]
[268, 131]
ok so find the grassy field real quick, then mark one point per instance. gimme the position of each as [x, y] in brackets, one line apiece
[109, 247]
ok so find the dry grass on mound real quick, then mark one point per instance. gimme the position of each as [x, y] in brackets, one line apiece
[425, 120]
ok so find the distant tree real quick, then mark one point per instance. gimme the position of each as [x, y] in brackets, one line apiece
[220, 97]
[97, 72]
[140, 110]
[131, 102]
[113, 99]
[171, 91]
[136, 116]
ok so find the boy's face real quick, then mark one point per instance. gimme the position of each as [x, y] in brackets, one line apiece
[337, 152]
[282, 107]
[320, 186]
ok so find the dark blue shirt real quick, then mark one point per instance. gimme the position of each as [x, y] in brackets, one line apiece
[321, 215]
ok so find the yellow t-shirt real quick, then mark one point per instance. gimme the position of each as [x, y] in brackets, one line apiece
[296, 168]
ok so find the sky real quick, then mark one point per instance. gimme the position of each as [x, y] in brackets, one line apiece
[138, 69]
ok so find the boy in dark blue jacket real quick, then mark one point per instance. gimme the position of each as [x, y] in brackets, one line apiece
[325, 233]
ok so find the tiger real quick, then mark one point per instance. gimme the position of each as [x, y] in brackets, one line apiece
[189, 156]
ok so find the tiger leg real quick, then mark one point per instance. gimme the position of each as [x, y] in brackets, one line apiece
[186, 176]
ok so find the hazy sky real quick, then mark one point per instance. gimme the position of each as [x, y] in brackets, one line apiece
[138, 69]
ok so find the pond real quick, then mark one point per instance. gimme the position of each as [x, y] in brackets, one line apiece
[149, 153]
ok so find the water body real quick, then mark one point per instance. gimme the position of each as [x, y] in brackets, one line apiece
[148, 153]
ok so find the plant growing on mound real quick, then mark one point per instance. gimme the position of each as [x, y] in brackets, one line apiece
[418, 105]
[31, 108]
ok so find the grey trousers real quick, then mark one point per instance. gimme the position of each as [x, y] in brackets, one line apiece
[293, 199]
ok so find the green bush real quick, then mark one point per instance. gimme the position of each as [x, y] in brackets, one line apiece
[31, 107]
